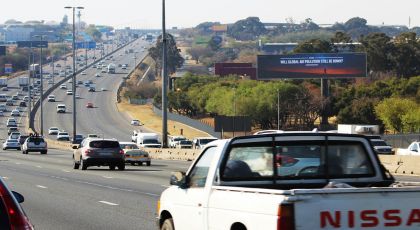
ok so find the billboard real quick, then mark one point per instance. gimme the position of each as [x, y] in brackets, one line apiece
[8, 68]
[317, 65]
[232, 124]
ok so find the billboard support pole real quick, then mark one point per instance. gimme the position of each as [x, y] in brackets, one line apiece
[325, 102]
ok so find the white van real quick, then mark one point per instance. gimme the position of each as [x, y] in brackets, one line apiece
[61, 108]
[3, 98]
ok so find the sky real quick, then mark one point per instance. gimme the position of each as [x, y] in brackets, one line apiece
[189, 13]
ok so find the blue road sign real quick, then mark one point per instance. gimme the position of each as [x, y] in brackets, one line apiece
[2, 50]
[8, 69]
[86, 45]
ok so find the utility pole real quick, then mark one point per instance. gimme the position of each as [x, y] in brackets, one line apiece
[41, 87]
[29, 87]
[74, 69]
[278, 109]
[164, 83]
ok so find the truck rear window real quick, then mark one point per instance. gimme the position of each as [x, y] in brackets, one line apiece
[297, 161]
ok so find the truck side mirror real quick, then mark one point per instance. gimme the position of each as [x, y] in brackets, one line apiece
[179, 179]
[75, 146]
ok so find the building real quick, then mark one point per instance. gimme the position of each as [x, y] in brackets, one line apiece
[14, 33]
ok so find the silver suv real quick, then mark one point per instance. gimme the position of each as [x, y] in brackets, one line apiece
[35, 143]
[98, 152]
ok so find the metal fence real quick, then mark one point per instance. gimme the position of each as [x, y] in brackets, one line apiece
[137, 101]
[188, 121]
[401, 140]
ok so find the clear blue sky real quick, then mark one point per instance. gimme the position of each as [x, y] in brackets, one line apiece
[188, 13]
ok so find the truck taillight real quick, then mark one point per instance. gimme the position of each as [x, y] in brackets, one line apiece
[122, 152]
[285, 217]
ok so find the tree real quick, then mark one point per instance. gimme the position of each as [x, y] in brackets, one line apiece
[406, 55]
[247, 29]
[205, 28]
[198, 51]
[174, 57]
[314, 46]
[393, 111]
[378, 48]
[342, 37]
[94, 33]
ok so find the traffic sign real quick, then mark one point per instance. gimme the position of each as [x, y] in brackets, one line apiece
[8, 69]
[32, 44]
[86, 45]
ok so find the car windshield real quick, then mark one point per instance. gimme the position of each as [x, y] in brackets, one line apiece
[36, 139]
[63, 134]
[185, 142]
[12, 140]
[129, 146]
[104, 144]
[380, 143]
[150, 141]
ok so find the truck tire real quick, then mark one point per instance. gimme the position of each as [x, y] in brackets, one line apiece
[168, 224]
[148, 163]
[44, 152]
[121, 167]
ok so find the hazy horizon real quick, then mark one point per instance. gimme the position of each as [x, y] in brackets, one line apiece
[189, 13]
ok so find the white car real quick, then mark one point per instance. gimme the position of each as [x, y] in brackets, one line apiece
[53, 131]
[69, 92]
[11, 144]
[103, 89]
[135, 122]
[3, 108]
[51, 98]
[63, 86]
[83, 73]
[15, 113]
[77, 96]
[97, 75]
[63, 136]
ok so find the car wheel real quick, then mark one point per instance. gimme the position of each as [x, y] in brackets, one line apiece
[75, 165]
[168, 224]
[83, 164]
[43, 152]
[4, 148]
[18, 149]
[112, 167]
[139, 163]
[121, 167]
[148, 163]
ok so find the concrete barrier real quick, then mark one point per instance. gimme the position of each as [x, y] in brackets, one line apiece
[173, 154]
[62, 145]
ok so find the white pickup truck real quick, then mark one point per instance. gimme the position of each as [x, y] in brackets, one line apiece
[288, 181]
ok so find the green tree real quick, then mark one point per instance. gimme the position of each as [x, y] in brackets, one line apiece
[393, 111]
[314, 46]
[406, 55]
[94, 33]
[174, 57]
[247, 29]
[379, 48]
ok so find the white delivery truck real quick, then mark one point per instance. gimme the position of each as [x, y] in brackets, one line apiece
[23, 81]
[288, 181]
[358, 129]
[148, 140]
[3, 81]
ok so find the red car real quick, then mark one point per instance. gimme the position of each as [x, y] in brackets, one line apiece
[89, 105]
[12, 215]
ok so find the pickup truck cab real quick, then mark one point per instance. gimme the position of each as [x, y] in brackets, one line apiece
[290, 180]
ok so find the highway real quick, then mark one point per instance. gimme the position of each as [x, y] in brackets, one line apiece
[104, 119]
[59, 197]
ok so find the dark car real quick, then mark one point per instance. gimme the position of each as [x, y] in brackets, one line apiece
[78, 139]
[12, 129]
[381, 147]
[91, 89]
[22, 104]
[22, 139]
[12, 215]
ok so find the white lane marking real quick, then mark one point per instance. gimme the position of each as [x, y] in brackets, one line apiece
[18, 163]
[108, 177]
[40, 186]
[5, 177]
[166, 186]
[108, 203]
[38, 166]
[67, 171]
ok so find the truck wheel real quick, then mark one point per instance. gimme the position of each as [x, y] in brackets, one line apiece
[43, 152]
[148, 163]
[112, 167]
[133, 163]
[168, 224]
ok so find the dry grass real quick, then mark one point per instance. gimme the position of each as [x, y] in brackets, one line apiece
[145, 114]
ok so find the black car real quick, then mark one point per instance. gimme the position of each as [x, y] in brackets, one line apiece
[91, 89]
[78, 139]
[22, 139]
[12, 215]
[22, 104]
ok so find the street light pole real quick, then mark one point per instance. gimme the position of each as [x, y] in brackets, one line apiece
[164, 83]
[41, 88]
[29, 87]
[74, 69]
